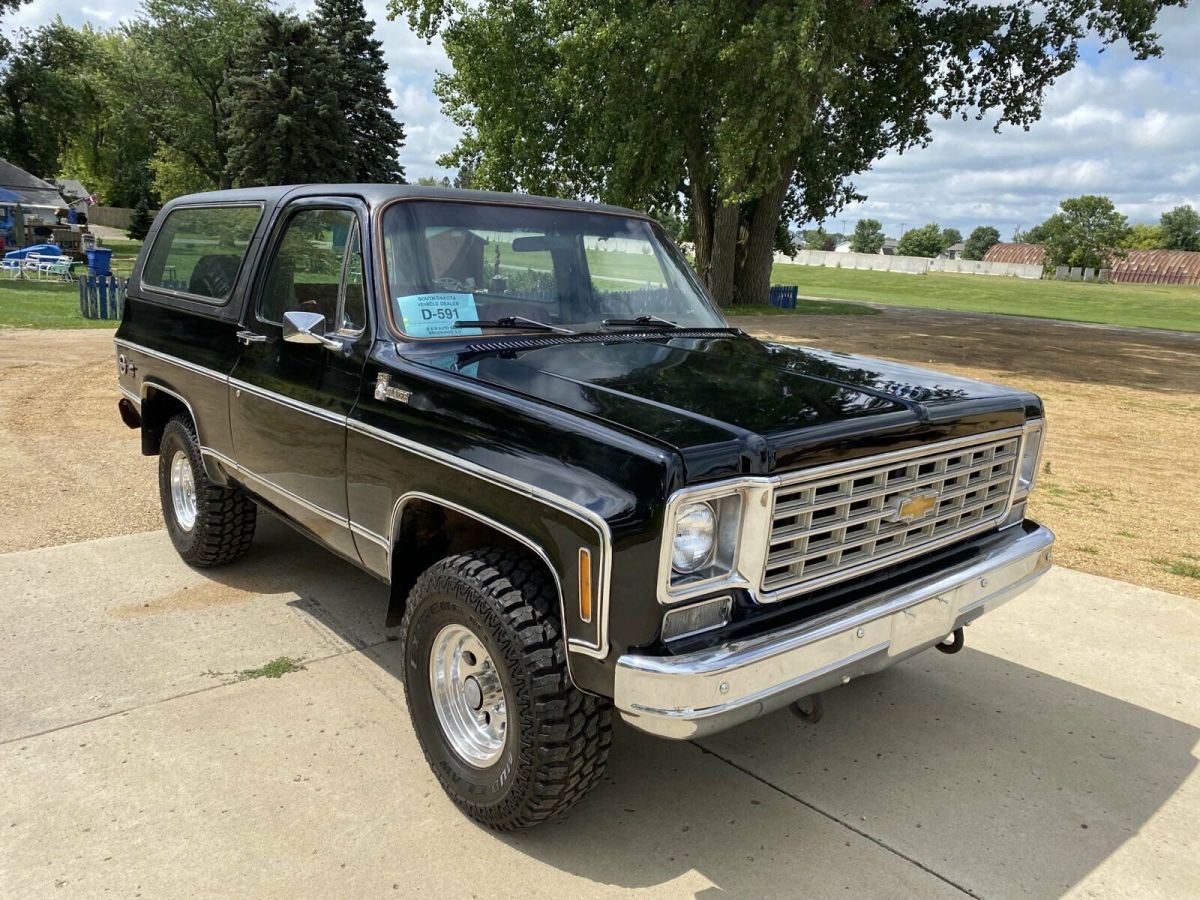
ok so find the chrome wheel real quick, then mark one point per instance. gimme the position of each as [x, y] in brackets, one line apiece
[468, 696]
[183, 491]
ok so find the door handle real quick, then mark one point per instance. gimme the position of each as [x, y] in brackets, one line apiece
[251, 337]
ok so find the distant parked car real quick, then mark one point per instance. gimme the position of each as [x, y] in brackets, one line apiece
[585, 488]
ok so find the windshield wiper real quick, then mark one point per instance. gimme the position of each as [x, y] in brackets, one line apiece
[512, 322]
[641, 320]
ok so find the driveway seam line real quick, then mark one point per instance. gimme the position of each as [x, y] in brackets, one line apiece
[831, 817]
[204, 690]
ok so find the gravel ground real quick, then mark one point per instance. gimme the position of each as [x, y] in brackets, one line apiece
[1121, 485]
[69, 468]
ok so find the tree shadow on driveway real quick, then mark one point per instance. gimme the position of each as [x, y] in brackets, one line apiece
[994, 777]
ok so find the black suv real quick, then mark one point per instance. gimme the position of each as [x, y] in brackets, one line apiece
[584, 487]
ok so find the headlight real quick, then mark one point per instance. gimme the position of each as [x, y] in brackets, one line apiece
[695, 536]
[1031, 455]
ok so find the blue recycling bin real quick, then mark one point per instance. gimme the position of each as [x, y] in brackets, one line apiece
[99, 261]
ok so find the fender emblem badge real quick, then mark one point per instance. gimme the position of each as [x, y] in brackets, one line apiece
[385, 391]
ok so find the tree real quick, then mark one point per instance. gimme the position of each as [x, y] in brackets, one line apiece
[40, 89]
[285, 125]
[375, 136]
[980, 241]
[1144, 237]
[818, 239]
[924, 241]
[183, 56]
[430, 181]
[1086, 231]
[140, 221]
[735, 110]
[868, 236]
[1181, 229]
[951, 236]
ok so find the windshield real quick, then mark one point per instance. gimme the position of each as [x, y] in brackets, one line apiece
[511, 268]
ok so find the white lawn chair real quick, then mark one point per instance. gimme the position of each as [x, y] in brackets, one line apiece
[56, 267]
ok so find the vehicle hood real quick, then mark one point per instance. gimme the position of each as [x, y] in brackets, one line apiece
[732, 404]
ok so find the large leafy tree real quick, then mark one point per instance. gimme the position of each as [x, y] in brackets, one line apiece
[1086, 231]
[1180, 229]
[40, 89]
[736, 109]
[928, 240]
[375, 135]
[868, 236]
[285, 124]
[182, 60]
[980, 241]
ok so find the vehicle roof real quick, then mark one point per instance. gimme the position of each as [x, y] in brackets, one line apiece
[377, 194]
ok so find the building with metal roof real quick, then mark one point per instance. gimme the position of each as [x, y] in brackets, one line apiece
[1021, 254]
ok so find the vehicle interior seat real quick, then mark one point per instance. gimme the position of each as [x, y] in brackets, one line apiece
[213, 275]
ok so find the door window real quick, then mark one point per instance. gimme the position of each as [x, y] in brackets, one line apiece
[317, 267]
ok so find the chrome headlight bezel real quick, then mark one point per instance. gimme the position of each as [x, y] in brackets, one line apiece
[734, 505]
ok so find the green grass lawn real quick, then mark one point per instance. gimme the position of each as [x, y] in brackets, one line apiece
[33, 304]
[1140, 305]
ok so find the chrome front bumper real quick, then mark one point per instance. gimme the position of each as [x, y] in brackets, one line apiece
[699, 693]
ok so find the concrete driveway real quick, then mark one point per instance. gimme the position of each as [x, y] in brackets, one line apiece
[1054, 756]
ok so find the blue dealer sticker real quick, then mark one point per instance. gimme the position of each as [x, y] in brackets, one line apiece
[434, 315]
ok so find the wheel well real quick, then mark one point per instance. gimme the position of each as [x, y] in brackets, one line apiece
[158, 408]
[430, 531]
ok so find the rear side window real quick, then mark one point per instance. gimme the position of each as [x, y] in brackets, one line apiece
[200, 249]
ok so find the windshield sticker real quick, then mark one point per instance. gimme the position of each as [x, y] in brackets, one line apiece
[434, 315]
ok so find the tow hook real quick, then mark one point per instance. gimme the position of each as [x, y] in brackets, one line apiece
[809, 709]
[954, 643]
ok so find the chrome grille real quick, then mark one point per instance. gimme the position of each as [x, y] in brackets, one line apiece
[829, 527]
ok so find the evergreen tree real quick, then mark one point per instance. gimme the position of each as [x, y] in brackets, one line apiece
[140, 221]
[285, 125]
[375, 136]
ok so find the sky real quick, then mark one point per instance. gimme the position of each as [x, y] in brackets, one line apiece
[1114, 126]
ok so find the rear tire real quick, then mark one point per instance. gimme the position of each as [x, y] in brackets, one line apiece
[521, 744]
[209, 525]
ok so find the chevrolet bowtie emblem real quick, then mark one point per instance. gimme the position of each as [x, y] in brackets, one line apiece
[911, 507]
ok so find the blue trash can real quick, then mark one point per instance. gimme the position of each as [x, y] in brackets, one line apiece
[99, 261]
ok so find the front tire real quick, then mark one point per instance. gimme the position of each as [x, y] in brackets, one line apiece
[511, 740]
[209, 525]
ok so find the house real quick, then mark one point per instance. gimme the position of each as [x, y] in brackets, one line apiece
[39, 203]
[842, 246]
[78, 197]
[889, 247]
[954, 251]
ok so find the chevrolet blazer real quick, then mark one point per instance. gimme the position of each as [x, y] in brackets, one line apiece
[586, 490]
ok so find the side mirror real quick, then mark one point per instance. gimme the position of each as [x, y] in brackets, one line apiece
[301, 327]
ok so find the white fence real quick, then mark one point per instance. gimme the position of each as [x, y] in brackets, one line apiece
[909, 265]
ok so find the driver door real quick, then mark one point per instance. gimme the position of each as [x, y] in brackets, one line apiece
[289, 401]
